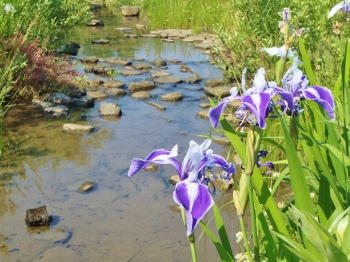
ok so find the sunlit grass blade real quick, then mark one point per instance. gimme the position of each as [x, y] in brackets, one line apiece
[224, 255]
[222, 231]
[306, 62]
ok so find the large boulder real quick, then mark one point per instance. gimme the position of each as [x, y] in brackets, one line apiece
[110, 109]
[130, 10]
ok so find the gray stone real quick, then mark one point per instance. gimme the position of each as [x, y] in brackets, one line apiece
[174, 179]
[100, 41]
[85, 101]
[89, 60]
[140, 26]
[159, 74]
[193, 79]
[142, 66]
[99, 70]
[75, 128]
[41, 103]
[57, 111]
[58, 98]
[174, 61]
[116, 92]
[86, 186]
[149, 36]
[131, 36]
[95, 22]
[125, 29]
[151, 168]
[195, 38]
[110, 109]
[113, 84]
[221, 91]
[130, 10]
[172, 97]
[203, 114]
[159, 62]
[168, 40]
[97, 95]
[141, 86]
[131, 72]
[168, 80]
[205, 105]
[141, 95]
[216, 82]
[116, 61]
[204, 45]
[158, 106]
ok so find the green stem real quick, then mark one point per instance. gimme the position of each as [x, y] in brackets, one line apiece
[190, 238]
[253, 216]
[193, 247]
[244, 233]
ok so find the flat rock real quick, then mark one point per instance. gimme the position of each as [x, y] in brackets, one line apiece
[84, 101]
[57, 111]
[142, 66]
[195, 38]
[86, 186]
[221, 91]
[204, 105]
[149, 36]
[100, 41]
[130, 10]
[156, 74]
[203, 114]
[174, 61]
[141, 95]
[216, 82]
[193, 79]
[115, 92]
[97, 94]
[42, 104]
[59, 254]
[204, 45]
[174, 179]
[75, 128]
[151, 168]
[125, 29]
[96, 22]
[110, 109]
[99, 70]
[140, 26]
[113, 84]
[172, 97]
[131, 72]
[89, 60]
[168, 40]
[158, 106]
[159, 62]
[58, 98]
[116, 61]
[168, 80]
[131, 36]
[141, 86]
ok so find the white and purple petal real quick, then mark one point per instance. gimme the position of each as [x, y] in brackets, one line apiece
[215, 113]
[342, 5]
[257, 104]
[219, 161]
[159, 156]
[196, 200]
[323, 97]
[287, 96]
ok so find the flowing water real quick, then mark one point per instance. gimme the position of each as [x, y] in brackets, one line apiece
[122, 218]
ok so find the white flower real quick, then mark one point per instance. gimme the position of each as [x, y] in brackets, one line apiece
[342, 5]
[279, 51]
[239, 236]
[9, 8]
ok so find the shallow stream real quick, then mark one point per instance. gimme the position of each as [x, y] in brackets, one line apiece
[122, 218]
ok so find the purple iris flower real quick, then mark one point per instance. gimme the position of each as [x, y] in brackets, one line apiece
[192, 192]
[263, 154]
[255, 102]
[343, 5]
[295, 88]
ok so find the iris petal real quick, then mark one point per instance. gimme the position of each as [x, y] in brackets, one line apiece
[214, 113]
[323, 97]
[196, 200]
[159, 156]
[257, 105]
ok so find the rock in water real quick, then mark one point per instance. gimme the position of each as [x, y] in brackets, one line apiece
[86, 186]
[37, 217]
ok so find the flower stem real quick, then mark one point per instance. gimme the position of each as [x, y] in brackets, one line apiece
[190, 238]
[244, 233]
[253, 216]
